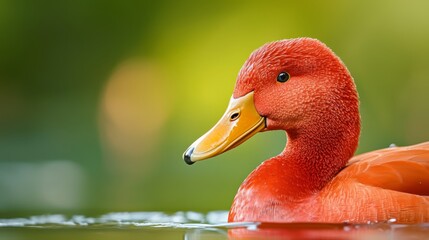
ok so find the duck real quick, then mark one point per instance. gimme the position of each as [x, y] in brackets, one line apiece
[302, 87]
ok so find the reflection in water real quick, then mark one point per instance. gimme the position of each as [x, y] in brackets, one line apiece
[193, 226]
[314, 231]
[207, 234]
[304, 231]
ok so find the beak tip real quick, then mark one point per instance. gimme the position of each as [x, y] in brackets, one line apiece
[187, 156]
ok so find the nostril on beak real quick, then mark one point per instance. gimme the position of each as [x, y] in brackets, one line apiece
[234, 116]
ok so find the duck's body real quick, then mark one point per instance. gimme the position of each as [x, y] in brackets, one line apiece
[384, 185]
[300, 86]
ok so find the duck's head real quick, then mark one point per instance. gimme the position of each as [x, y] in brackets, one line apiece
[298, 85]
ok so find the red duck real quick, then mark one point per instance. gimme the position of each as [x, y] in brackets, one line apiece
[300, 86]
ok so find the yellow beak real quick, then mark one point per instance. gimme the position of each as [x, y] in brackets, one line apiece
[240, 122]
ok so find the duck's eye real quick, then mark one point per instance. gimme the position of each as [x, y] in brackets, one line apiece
[283, 77]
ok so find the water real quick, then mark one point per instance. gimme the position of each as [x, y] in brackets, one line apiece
[192, 226]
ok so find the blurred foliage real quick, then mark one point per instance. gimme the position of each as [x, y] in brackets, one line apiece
[99, 99]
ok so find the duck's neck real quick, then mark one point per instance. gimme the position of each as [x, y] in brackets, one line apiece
[316, 153]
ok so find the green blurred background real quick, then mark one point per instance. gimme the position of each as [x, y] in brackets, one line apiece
[99, 99]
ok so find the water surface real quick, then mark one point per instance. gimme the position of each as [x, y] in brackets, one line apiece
[192, 225]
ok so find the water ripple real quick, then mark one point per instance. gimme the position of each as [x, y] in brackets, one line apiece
[195, 225]
[139, 219]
